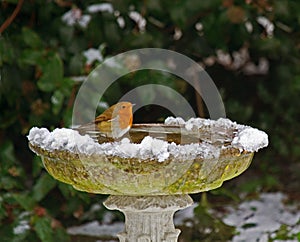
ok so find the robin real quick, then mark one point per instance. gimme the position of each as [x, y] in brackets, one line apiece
[114, 122]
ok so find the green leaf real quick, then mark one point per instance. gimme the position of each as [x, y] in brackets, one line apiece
[76, 64]
[67, 117]
[3, 212]
[66, 86]
[25, 200]
[37, 166]
[8, 183]
[43, 229]
[61, 235]
[222, 191]
[66, 190]
[52, 74]
[66, 34]
[31, 57]
[7, 152]
[20, 237]
[31, 38]
[178, 15]
[46, 85]
[45, 184]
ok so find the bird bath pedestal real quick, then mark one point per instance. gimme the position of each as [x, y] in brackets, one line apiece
[150, 177]
[149, 218]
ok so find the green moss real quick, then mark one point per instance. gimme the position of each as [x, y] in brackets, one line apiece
[131, 176]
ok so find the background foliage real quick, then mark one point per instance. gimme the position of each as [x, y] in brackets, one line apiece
[249, 47]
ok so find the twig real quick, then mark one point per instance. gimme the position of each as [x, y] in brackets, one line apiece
[9, 20]
[199, 100]
[200, 108]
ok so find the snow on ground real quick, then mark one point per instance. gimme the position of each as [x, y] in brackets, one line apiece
[255, 220]
[96, 229]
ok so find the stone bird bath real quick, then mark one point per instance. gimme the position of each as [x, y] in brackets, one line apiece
[150, 173]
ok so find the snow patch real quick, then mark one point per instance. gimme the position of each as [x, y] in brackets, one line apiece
[138, 18]
[267, 215]
[246, 137]
[100, 7]
[92, 55]
[250, 139]
[149, 148]
[75, 16]
[96, 229]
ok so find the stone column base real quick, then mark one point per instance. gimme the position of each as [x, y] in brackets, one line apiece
[149, 218]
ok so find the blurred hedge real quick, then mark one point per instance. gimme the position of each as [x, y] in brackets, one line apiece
[250, 49]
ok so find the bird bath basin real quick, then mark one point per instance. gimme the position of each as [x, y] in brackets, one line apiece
[150, 173]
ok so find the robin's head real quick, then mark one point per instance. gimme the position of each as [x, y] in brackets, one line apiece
[124, 108]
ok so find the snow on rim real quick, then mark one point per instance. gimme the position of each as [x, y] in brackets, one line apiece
[247, 138]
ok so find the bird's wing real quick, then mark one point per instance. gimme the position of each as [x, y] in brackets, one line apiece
[101, 118]
[106, 115]
[114, 119]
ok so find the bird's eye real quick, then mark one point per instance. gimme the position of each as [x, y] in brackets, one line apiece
[123, 106]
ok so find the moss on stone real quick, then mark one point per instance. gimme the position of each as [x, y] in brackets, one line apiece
[131, 176]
